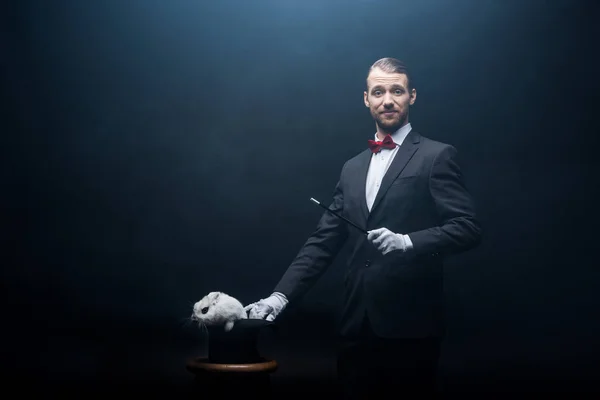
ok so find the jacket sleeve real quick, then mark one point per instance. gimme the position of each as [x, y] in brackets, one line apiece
[318, 252]
[459, 229]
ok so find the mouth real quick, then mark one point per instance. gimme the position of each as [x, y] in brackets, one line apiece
[389, 113]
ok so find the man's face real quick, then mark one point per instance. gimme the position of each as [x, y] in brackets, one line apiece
[388, 99]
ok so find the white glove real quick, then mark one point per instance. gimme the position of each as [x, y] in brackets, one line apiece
[268, 308]
[387, 241]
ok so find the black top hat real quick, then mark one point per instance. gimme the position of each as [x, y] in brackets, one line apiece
[239, 345]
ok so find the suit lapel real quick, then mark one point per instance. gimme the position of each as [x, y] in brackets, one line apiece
[364, 161]
[405, 152]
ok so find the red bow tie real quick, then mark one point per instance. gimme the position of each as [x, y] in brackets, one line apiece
[387, 142]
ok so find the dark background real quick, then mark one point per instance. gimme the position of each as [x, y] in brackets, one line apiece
[158, 150]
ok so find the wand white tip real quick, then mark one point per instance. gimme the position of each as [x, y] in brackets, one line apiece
[311, 199]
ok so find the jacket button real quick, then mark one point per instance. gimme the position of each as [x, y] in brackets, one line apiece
[367, 263]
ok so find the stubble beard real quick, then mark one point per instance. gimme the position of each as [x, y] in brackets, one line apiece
[387, 126]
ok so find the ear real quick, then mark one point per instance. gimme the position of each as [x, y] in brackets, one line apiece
[217, 297]
[413, 96]
[365, 99]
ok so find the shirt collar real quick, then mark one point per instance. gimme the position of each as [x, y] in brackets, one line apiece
[400, 134]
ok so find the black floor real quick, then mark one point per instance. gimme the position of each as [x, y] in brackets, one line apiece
[150, 362]
[76, 368]
[283, 387]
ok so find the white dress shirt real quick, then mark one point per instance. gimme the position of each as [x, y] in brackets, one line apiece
[379, 165]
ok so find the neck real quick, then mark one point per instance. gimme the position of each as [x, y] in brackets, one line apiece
[382, 132]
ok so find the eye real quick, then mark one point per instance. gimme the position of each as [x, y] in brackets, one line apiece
[398, 91]
[377, 93]
[204, 310]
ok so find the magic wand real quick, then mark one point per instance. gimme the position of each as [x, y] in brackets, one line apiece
[339, 216]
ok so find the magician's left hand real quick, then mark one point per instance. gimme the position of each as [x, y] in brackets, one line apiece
[387, 241]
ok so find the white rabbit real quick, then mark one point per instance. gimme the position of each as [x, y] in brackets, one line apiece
[218, 308]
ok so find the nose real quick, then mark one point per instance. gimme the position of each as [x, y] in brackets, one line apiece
[387, 101]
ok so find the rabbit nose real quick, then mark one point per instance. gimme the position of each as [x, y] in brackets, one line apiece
[204, 310]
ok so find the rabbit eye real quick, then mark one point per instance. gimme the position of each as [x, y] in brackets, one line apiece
[204, 310]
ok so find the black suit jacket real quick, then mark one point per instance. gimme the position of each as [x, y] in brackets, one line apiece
[422, 195]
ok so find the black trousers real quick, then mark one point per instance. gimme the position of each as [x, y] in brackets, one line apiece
[369, 366]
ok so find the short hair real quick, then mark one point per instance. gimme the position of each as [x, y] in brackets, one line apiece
[392, 65]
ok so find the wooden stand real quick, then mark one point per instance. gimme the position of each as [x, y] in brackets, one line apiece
[233, 380]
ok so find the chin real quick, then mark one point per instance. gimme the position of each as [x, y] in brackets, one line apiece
[390, 127]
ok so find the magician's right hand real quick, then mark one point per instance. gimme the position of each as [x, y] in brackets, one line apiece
[268, 308]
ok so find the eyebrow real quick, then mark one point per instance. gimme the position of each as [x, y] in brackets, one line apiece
[394, 86]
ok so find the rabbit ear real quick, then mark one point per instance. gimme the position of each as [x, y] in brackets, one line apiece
[217, 297]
